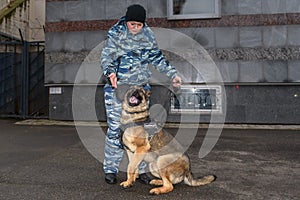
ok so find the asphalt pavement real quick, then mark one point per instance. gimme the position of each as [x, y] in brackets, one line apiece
[50, 161]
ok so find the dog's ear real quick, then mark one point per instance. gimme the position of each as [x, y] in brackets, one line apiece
[147, 94]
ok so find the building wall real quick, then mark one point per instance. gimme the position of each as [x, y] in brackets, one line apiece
[25, 22]
[36, 20]
[255, 45]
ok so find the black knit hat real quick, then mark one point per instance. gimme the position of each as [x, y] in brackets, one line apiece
[136, 13]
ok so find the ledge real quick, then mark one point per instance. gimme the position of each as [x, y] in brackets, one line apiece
[44, 122]
[224, 21]
[10, 8]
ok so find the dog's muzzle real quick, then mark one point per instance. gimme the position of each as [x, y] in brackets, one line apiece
[134, 99]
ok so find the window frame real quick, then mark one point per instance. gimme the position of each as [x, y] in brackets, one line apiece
[189, 90]
[216, 14]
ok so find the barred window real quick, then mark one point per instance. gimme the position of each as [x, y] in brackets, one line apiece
[197, 99]
[192, 9]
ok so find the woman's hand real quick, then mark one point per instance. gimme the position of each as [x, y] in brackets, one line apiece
[113, 80]
[176, 82]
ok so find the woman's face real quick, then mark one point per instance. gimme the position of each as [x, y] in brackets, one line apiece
[134, 27]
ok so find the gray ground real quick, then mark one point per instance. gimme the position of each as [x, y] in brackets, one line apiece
[50, 162]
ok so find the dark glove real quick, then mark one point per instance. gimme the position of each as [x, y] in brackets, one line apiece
[121, 91]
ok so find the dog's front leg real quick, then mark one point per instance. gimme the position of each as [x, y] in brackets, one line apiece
[131, 176]
[132, 171]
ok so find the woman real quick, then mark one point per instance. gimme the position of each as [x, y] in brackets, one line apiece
[130, 47]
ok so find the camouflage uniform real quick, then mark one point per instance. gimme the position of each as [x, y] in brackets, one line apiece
[127, 56]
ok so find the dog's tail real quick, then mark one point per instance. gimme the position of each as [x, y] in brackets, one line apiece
[189, 180]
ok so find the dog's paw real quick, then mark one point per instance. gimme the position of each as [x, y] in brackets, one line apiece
[126, 184]
[155, 191]
[156, 182]
[161, 190]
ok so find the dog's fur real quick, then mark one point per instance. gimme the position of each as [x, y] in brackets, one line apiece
[164, 154]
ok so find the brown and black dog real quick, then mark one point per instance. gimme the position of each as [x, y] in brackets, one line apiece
[166, 158]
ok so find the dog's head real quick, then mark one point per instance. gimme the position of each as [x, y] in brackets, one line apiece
[136, 95]
[135, 105]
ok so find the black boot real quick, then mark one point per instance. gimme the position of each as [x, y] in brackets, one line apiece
[111, 178]
[144, 178]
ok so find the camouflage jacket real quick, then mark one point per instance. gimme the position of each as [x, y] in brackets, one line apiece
[128, 55]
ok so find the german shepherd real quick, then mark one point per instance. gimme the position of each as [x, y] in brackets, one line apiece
[166, 158]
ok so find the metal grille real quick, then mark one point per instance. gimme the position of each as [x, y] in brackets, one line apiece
[197, 99]
[22, 91]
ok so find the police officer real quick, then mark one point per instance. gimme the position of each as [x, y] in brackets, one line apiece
[130, 47]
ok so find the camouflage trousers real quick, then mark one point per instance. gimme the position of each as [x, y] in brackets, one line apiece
[113, 150]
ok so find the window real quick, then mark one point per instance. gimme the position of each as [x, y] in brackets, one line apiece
[197, 99]
[192, 9]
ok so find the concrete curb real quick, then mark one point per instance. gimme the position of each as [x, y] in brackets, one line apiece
[45, 122]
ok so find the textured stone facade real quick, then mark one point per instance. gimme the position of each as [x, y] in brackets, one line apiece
[255, 43]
